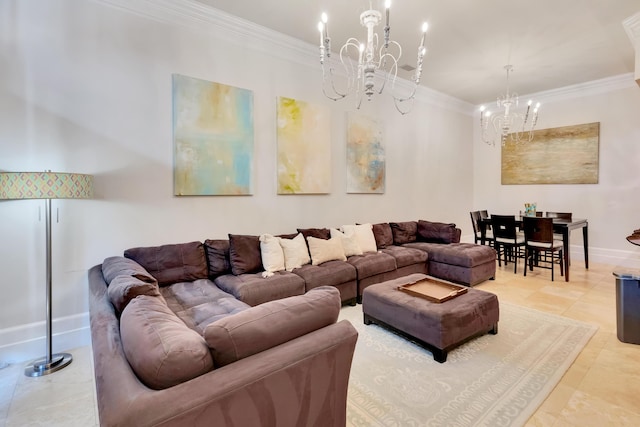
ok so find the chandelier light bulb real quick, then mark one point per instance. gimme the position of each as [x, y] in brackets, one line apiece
[324, 18]
[482, 108]
[537, 105]
[529, 103]
[425, 27]
[387, 4]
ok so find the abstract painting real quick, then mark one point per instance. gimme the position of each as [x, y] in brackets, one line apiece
[304, 147]
[212, 137]
[365, 155]
[564, 155]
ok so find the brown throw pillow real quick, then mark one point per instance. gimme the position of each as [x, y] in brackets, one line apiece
[270, 324]
[436, 232]
[123, 289]
[217, 257]
[318, 233]
[383, 235]
[404, 232]
[160, 348]
[184, 262]
[244, 254]
[115, 266]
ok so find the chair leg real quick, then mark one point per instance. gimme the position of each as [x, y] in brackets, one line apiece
[561, 262]
[552, 264]
[498, 252]
[526, 257]
[516, 252]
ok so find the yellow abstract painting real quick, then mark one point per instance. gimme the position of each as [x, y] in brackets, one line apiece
[304, 147]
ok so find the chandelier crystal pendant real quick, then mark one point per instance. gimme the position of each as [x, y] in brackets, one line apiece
[519, 126]
[369, 65]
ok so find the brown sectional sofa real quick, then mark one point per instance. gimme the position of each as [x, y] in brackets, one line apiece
[189, 333]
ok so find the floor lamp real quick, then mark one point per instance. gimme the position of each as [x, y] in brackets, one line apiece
[46, 185]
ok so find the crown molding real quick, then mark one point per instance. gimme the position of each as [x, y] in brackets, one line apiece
[200, 17]
[632, 27]
[580, 90]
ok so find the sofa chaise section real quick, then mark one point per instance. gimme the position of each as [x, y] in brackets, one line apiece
[302, 381]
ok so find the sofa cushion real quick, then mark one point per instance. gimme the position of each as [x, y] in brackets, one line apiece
[271, 253]
[217, 257]
[271, 324]
[372, 263]
[325, 250]
[169, 264]
[200, 302]
[115, 266]
[383, 235]
[244, 254]
[123, 289]
[160, 348]
[436, 232]
[406, 256]
[254, 289]
[296, 253]
[318, 233]
[349, 242]
[331, 273]
[404, 232]
[364, 235]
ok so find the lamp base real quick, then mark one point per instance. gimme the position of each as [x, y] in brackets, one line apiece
[44, 366]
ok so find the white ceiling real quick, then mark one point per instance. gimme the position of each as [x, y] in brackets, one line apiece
[550, 43]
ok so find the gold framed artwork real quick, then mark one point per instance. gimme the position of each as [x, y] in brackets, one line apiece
[563, 155]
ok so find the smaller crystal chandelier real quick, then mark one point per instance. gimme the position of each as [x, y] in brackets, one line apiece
[369, 66]
[508, 122]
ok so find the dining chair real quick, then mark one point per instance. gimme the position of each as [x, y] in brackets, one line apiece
[539, 238]
[506, 239]
[477, 233]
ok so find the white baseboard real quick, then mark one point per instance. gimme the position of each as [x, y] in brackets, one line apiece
[28, 342]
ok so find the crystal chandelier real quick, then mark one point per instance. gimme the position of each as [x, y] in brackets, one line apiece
[507, 121]
[369, 66]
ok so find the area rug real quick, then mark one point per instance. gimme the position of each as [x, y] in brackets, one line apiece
[493, 380]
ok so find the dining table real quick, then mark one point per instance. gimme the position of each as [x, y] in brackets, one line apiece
[560, 226]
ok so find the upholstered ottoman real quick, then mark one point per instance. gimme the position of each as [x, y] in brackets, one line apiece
[439, 327]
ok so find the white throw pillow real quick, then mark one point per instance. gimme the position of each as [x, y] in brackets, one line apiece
[295, 252]
[364, 236]
[272, 255]
[325, 250]
[349, 242]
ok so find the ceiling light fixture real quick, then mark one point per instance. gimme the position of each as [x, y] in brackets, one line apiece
[376, 66]
[508, 123]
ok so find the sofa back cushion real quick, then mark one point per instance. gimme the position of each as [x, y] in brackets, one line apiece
[217, 257]
[404, 232]
[115, 266]
[244, 254]
[437, 232]
[160, 348]
[123, 289]
[318, 233]
[170, 264]
[270, 324]
[383, 235]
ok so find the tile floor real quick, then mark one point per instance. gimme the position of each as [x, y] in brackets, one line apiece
[602, 387]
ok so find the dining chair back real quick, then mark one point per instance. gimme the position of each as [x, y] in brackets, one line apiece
[477, 231]
[506, 239]
[539, 239]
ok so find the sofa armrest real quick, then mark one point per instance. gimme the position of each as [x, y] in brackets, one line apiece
[301, 382]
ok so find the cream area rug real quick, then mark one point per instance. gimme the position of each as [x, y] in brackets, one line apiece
[492, 380]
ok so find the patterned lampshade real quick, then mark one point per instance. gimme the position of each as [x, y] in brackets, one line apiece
[45, 185]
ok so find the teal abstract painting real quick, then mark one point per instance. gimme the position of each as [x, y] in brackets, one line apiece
[365, 155]
[212, 137]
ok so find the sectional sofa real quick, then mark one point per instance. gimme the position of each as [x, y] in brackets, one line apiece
[244, 331]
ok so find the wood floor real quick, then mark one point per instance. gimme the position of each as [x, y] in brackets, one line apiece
[602, 387]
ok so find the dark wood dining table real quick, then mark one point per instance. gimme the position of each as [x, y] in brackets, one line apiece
[560, 226]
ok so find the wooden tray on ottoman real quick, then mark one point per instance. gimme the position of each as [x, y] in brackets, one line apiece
[433, 290]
